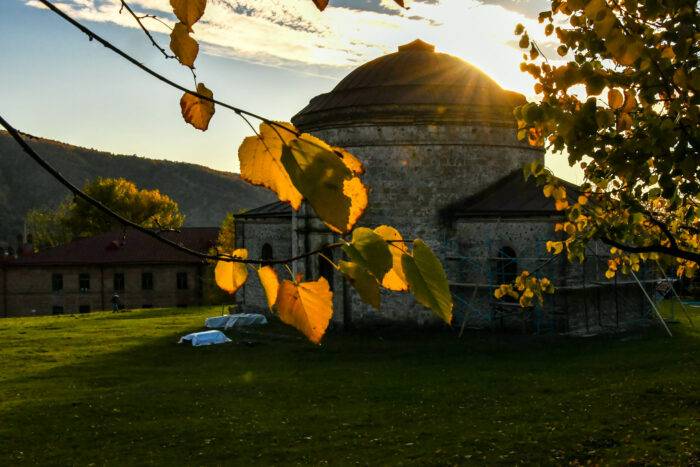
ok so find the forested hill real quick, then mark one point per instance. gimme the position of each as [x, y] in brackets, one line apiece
[204, 195]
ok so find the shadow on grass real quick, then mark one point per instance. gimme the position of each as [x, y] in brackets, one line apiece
[371, 396]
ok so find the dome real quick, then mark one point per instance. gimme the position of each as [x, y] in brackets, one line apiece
[413, 85]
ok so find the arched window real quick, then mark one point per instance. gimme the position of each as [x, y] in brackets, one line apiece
[266, 254]
[325, 269]
[506, 266]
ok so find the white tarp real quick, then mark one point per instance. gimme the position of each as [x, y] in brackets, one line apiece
[245, 319]
[235, 321]
[205, 338]
[216, 322]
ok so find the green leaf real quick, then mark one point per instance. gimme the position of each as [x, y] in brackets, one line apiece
[369, 250]
[427, 280]
[338, 196]
[364, 282]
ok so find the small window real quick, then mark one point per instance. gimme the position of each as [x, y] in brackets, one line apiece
[506, 266]
[84, 282]
[266, 254]
[84, 308]
[56, 282]
[118, 282]
[147, 281]
[57, 310]
[182, 281]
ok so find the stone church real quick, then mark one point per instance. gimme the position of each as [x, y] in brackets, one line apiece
[438, 140]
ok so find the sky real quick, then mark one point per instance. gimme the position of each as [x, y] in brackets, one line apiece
[267, 56]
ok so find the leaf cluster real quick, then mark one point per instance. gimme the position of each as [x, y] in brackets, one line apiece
[623, 102]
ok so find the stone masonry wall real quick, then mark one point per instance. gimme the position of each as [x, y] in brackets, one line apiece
[413, 171]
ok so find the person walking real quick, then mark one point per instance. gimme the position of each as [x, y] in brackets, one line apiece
[115, 302]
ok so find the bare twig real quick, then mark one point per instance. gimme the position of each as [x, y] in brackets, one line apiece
[94, 36]
[143, 28]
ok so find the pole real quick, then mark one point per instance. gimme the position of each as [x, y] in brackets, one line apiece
[653, 305]
[685, 310]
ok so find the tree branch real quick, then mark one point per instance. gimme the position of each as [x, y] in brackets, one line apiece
[93, 36]
[676, 252]
[146, 31]
[78, 193]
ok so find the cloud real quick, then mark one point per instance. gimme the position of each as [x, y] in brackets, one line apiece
[294, 34]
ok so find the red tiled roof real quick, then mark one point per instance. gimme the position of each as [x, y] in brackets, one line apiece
[117, 248]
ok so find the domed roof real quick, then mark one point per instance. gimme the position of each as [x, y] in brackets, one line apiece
[415, 84]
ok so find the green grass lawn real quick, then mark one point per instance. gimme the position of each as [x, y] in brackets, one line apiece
[117, 389]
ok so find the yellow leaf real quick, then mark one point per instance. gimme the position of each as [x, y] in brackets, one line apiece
[321, 177]
[321, 4]
[364, 282]
[183, 46]
[270, 284]
[350, 161]
[395, 279]
[427, 280]
[582, 200]
[559, 193]
[188, 11]
[615, 99]
[260, 162]
[561, 204]
[548, 190]
[609, 274]
[557, 247]
[356, 191]
[197, 112]
[231, 276]
[369, 250]
[307, 306]
[630, 102]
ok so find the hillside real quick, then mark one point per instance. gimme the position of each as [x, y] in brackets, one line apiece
[204, 195]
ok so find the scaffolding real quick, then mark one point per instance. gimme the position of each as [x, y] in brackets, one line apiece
[585, 302]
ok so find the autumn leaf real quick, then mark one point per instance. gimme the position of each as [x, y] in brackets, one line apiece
[188, 11]
[427, 280]
[395, 279]
[321, 4]
[369, 250]
[270, 283]
[615, 99]
[364, 282]
[308, 306]
[183, 46]
[260, 163]
[325, 181]
[231, 276]
[356, 191]
[196, 111]
[350, 161]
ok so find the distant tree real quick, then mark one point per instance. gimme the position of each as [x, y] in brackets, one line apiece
[225, 243]
[226, 240]
[75, 218]
[624, 105]
[47, 226]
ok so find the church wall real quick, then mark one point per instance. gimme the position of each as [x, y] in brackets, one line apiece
[253, 234]
[412, 171]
